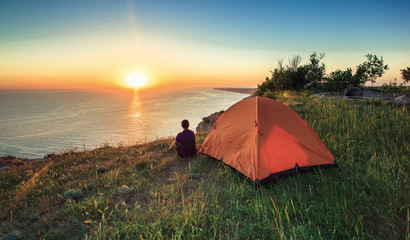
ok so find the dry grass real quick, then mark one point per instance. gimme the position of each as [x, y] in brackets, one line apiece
[146, 192]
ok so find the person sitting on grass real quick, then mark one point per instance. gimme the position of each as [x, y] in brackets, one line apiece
[184, 143]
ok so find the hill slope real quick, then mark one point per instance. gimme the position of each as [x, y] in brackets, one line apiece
[145, 191]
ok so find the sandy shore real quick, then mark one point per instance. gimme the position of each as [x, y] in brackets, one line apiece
[250, 91]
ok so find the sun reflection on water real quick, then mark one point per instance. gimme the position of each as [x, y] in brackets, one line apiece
[135, 115]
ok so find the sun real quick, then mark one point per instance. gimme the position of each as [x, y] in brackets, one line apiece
[136, 80]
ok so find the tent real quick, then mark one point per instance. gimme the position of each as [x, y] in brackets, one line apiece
[263, 138]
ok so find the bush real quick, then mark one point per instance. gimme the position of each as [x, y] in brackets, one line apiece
[369, 70]
[312, 75]
[338, 80]
[294, 76]
[394, 88]
[74, 194]
[269, 94]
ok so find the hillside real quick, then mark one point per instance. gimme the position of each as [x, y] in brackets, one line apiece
[145, 191]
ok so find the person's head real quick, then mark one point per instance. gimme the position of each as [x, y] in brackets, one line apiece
[185, 124]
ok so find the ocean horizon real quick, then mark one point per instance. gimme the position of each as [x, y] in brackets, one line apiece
[34, 123]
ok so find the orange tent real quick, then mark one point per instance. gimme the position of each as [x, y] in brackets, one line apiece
[262, 138]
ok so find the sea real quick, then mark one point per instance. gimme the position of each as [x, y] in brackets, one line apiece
[34, 123]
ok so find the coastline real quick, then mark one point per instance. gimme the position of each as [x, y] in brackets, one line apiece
[55, 128]
[250, 91]
[10, 161]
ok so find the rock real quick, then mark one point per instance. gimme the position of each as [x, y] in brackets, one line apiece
[396, 95]
[50, 155]
[402, 99]
[325, 95]
[373, 94]
[74, 194]
[353, 91]
[208, 122]
[366, 95]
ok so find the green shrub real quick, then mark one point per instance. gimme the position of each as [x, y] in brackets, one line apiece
[269, 94]
[394, 88]
[294, 76]
[74, 194]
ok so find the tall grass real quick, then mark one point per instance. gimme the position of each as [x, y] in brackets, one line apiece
[147, 192]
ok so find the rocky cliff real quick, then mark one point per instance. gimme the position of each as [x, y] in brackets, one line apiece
[208, 122]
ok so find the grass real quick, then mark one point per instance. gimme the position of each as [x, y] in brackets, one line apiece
[147, 192]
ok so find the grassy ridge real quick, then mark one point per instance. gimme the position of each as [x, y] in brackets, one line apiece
[147, 192]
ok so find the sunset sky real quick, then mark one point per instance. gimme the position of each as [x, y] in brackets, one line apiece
[89, 44]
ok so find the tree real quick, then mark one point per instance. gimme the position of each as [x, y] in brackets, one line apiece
[294, 62]
[405, 74]
[275, 82]
[316, 70]
[293, 76]
[369, 70]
